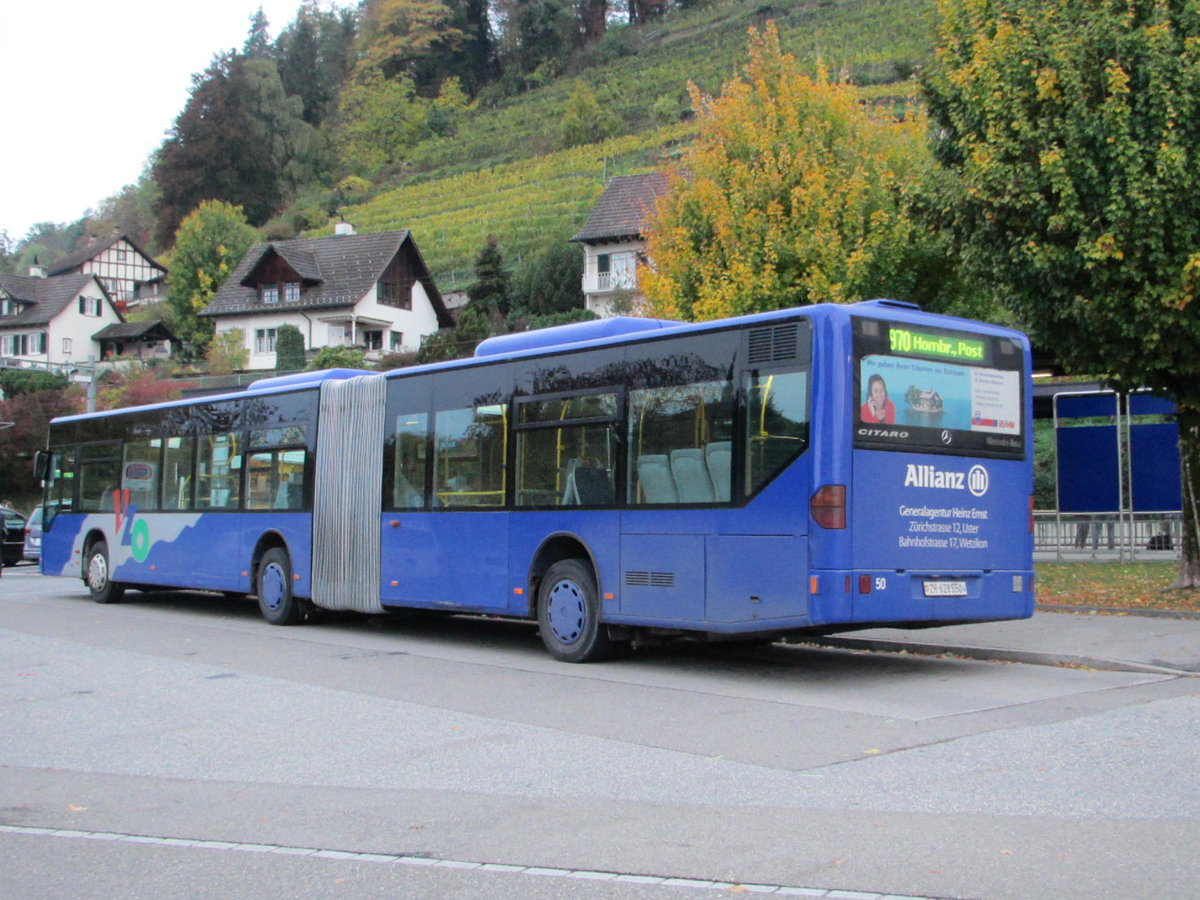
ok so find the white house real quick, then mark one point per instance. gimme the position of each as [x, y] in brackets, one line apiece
[613, 239]
[129, 274]
[370, 291]
[53, 319]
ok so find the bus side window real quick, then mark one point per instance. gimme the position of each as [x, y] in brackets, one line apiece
[408, 475]
[62, 489]
[218, 472]
[678, 442]
[469, 465]
[178, 457]
[567, 450]
[776, 423]
[99, 474]
[139, 473]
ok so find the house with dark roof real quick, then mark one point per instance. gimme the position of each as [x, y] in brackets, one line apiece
[613, 239]
[52, 319]
[370, 291]
[146, 340]
[129, 274]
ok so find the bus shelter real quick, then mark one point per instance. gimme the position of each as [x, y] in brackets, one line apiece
[1117, 472]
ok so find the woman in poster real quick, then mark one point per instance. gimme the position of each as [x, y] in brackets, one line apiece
[878, 409]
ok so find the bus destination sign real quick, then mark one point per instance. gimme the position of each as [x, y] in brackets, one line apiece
[904, 340]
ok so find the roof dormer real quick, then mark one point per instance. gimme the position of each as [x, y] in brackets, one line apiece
[282, 274]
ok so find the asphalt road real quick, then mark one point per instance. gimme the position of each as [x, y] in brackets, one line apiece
[177, 746]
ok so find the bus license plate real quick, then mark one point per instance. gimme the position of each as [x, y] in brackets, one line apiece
[945, 589]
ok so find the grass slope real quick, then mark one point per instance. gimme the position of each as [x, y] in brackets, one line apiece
[505, 172]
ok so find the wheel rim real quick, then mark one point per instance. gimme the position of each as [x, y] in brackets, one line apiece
[97, 572]
[271, 586]
[566, 611]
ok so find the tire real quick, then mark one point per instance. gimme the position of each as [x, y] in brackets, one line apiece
[273, 585]
[96, 575]
[568, 612]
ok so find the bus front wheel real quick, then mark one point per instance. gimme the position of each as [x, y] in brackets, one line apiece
[568, 611]
[273, 583]
[97, 575]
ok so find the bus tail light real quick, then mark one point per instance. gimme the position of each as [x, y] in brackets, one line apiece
[828, 506]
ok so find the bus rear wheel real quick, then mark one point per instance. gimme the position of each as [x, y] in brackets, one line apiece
[273, 584]
[568, 611]
[97, 575]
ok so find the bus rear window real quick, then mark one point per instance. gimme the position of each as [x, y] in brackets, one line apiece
[933, 390]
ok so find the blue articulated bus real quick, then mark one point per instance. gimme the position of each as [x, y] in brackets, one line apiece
[808, 470]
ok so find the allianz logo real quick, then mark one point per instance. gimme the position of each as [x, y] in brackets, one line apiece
[975, 480]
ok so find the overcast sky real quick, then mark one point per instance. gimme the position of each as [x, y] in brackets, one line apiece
[89, 89]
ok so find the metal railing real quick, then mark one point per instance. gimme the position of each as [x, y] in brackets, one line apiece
[1110, 535]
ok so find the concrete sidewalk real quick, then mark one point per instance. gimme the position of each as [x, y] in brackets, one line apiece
[1116, 642]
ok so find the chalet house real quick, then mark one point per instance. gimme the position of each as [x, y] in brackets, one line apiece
[370, 291]
[613, 239]
[53, 319]
[129, 274]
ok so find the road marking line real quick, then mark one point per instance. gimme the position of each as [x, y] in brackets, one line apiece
[666, 881]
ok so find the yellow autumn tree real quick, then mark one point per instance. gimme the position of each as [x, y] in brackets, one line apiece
[795, 192]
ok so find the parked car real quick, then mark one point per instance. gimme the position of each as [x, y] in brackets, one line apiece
[14, 536]
[33, 535]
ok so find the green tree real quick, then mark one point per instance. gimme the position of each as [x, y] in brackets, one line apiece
[227, 352]
[409, 38]
[549, 280]
[289, 349]
[585, 120]
[240, 138]
[457, 342]
[489, 295]
[795, 194]
[537, 34]
[1073, 130]
[338, 357]
[314, 56]
[379, 119]
[209, 244]
[15, 382]
[258, 38]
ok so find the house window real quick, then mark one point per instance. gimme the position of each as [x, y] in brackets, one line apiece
[23, 344]
[270, 293]
[337, 335]
[291, 291]
[616, 271]
[264, 340]
[121, 256]
[373, 340]
[8, 307]
[90, 306]
[66, 346]
[396, 340]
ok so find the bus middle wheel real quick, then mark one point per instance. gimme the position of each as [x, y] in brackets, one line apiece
[568, 611]
[273, 584]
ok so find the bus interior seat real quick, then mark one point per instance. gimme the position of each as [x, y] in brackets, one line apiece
[691, 475]
[718, 457]
[405, 495]
[593, 486]
[289, 495]
[654, 479]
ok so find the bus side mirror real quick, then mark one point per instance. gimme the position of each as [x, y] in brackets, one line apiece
[45, 465]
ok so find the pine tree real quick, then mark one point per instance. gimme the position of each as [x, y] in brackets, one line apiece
[489, 295]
